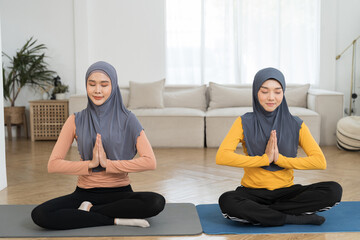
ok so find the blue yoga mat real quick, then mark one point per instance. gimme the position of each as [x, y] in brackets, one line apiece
[343, 218]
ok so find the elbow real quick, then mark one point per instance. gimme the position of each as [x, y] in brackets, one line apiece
[152, 165]
[51, 168]
[219, 157]
[323, 164]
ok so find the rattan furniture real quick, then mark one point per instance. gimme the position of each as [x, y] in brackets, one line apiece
[47, 118]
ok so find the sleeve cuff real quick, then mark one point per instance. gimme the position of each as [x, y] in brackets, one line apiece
[110, 167]
[265, 159]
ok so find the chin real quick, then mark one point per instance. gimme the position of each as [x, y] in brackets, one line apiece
[97, 102]
[270, 109]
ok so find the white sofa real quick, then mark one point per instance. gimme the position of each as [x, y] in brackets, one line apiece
[198, 116]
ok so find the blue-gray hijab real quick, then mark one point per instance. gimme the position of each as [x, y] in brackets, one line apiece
[119, 128]
[258, 124]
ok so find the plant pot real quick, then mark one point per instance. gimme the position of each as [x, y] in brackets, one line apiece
[60, 96]
[14, 114]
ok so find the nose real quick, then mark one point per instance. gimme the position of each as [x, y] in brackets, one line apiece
[98, 88]
[271, 96]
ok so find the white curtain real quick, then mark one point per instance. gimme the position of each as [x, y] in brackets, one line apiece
[228, 41]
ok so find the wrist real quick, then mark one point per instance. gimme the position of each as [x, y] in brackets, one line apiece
[92, 165]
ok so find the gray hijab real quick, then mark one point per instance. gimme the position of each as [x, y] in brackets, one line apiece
[119, 128]
[258, 124]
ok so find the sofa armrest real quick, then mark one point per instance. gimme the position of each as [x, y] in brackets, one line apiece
[330, 106]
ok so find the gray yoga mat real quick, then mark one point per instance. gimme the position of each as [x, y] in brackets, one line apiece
[176, 219]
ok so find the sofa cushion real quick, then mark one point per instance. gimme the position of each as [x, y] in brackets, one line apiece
[146, 95]
[189, 98]
[297, 96]
[222, 96]
[173, 127]
[174, 131]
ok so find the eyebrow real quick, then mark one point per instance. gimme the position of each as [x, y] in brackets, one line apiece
[278, 88]
[102, 81]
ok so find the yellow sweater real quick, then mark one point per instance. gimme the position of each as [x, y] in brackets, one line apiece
[257, 177]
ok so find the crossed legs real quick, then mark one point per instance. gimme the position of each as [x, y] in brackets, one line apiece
[294, 204]
[108, 204]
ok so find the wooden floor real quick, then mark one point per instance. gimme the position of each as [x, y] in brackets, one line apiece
[183, 175]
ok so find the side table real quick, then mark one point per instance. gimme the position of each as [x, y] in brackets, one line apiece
[47, 118]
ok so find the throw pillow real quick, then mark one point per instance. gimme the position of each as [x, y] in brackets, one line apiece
[189, 98]
[297, 96]
[146, 95]
[222, 96]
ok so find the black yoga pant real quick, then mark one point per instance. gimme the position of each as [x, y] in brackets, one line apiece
[108, 203]
[269, 208]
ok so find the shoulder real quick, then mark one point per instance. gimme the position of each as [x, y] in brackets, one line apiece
[304, 127]
[81, 113]
[239, 120]
[131, 117]
[247, 119]
[247, 116]
[133, 122]
[69, 124]
[298, 120]
[71, 120]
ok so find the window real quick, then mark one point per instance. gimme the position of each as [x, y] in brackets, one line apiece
[228, 41]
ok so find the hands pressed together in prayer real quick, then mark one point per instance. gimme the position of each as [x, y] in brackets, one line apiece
[272, 150]
[99, 155]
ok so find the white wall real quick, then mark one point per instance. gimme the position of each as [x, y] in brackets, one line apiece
[348, 28]
[3, 181]
[128, 34]
[328, 20]
[49, 21]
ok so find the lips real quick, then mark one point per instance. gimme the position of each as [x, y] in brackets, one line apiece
[98, 98]
[270, 104]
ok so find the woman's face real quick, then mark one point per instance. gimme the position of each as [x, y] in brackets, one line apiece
[98, 87]
[270, 95]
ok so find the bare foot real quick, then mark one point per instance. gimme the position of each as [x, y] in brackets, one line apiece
[132, 222]
[85, 206]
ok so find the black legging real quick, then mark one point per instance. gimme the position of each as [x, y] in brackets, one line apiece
[269, 208]
[108, 203]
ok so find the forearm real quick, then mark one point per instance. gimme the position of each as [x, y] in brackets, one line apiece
[230, 158]
[58, 165]
[302, 163]
[140, 164]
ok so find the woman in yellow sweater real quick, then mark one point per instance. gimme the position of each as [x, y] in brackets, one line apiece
[270, 137]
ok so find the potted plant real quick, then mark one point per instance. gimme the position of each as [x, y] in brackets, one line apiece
[60, 90]
[26, 67]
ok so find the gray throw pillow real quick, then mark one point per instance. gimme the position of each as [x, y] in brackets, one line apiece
[146, 95]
